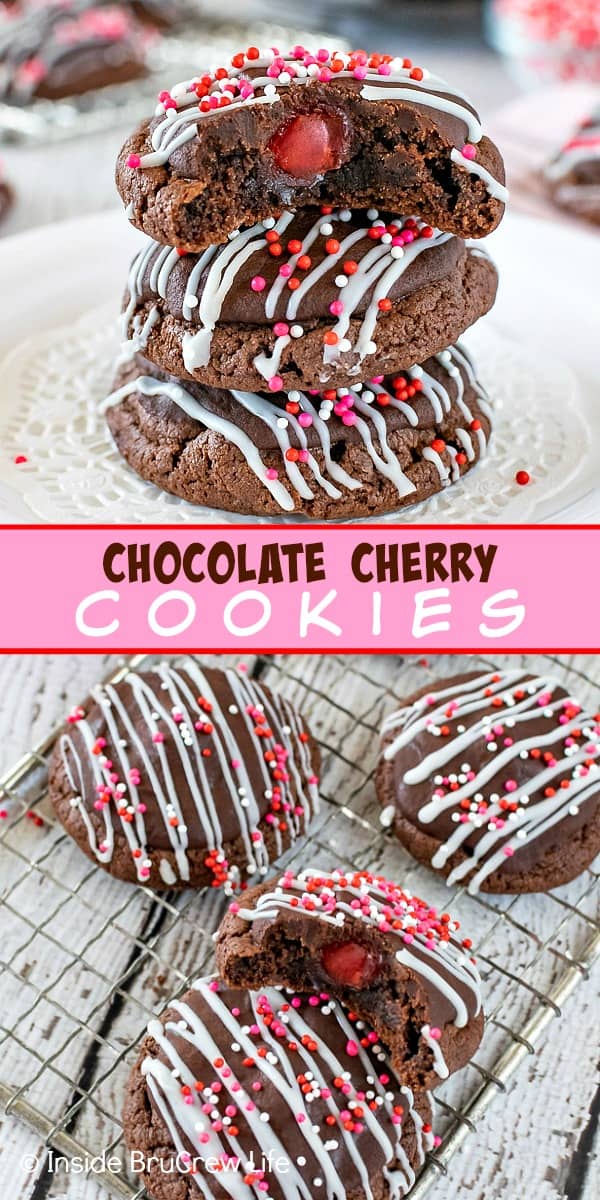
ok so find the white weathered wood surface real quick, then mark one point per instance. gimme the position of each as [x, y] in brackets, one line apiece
[533, 1140]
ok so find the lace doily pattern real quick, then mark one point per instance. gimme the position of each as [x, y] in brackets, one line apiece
[49, 414]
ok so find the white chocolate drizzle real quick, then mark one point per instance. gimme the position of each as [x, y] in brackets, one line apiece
[216, 269]
[369, 423]
[191, 1125]
[499, 806]
[154, 729]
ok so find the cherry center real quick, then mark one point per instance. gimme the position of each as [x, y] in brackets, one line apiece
[350, 963]
[309, 144]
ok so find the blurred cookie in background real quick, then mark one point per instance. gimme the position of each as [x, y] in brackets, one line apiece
[573, 176]
[6, 193]
[66, 49]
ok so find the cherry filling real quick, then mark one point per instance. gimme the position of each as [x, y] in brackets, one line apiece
[310, 144]
[350, 963]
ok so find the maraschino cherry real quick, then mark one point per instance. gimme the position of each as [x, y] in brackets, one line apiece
[310, 144]
[350, 964]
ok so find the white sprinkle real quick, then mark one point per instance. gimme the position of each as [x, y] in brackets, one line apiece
[296, 331]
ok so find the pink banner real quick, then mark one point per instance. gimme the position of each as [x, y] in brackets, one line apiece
[371, 588]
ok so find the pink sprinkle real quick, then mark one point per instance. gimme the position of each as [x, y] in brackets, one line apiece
[349, 418]
[511, 785]
[280, 329]
[351, 1048]
[305, 420]
[275, 383]
[158, 737]
[336, 308]
[384, 69]
[235, 762]
[435, 1033]
[285, 270]
[134, 161]
[271, 473]
[508, 851]
[234, 907]
[360, 72]
[469, 151]
[258, 283]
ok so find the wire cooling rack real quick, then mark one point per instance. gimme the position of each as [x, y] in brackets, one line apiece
[86, 960]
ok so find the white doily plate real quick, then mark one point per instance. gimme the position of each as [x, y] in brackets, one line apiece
[52, 381]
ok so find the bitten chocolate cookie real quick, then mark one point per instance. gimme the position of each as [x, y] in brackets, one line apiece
[370, 449]
[313, 299]
[492, 779]
[181, 776]
[266, 1093]
[574, 175]
[268, 131]
[68, 48]
[385, 954]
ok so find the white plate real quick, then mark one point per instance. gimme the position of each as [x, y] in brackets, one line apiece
[62, 283]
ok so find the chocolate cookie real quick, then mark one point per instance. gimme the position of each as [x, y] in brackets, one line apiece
[371, 449]
[6, 195]
[266, 1093]
[574, 175]
[237, 144]
[347, 296]
[181, 777]
[492, 779]
[391, 958]
[68, 48]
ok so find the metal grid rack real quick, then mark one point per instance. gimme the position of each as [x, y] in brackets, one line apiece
[86, 960]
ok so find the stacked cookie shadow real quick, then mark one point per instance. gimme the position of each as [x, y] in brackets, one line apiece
[307, 1067]
[291, 320]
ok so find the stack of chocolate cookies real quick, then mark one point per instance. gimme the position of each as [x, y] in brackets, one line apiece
[291, 320]
[306, 1069]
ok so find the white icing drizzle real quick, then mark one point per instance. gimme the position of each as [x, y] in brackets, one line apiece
[572, 756]
[215, 272]
[440, 1065]
[192, 1130]
[495, 189]
[370, 424]
[423, 957]
[154, 727]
